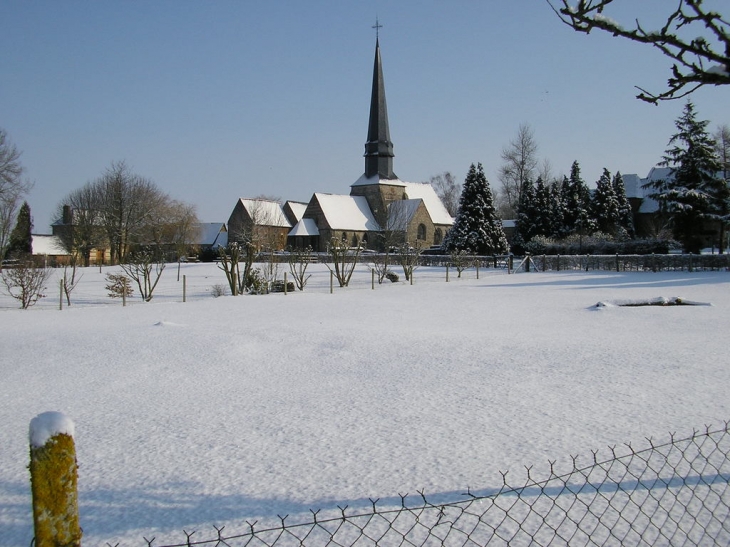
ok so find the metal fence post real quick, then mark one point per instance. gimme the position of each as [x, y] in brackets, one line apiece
[53, 479]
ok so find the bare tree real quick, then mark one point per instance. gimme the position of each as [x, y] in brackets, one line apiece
[127, 203]
[25, 281]
[699, 59]
[344, 260]
[119, 286]
[299, 260]
[12, 187]
[145, 267]
[71, 278]
[79, 222]
[408, 256]
[448, 190]
[519, 159]
[391, 236]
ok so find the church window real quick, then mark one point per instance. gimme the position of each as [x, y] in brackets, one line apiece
[344, 237]
[438, 237]
[421, 231]
[355, 241]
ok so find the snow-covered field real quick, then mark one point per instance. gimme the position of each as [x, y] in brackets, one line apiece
[221, 410]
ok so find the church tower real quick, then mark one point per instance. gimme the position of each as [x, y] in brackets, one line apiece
[378, 148]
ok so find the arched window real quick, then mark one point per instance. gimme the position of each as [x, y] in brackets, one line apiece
[364, 240]
[421, 232]
[355, 241]
[344, 237]
[438, 236]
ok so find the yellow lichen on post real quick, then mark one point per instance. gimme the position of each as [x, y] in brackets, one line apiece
[53, 477]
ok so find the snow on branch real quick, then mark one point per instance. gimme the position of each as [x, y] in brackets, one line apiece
[704, 60]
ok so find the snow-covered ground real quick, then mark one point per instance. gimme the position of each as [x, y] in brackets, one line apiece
[219, 411]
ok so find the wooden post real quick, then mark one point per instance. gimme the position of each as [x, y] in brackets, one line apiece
[124, 296]
[284, 283]
[618, 269]
[185, 287]
[60, 296]
[332, 281]
[477, 264]
[411, 276]
[527, 262]
[557, 262]
[372, 279]
[53, 480]
[447, 273]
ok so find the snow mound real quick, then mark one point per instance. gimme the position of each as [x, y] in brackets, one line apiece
[47, 425]
[166, 324]
[659, 301]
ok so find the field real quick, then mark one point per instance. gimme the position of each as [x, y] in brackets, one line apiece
[219, 411]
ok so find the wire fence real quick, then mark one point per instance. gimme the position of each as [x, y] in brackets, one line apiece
[675, 493]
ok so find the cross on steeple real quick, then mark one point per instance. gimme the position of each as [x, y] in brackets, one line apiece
[377, 26]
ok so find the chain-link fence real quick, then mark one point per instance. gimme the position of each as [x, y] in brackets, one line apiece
[675, 493]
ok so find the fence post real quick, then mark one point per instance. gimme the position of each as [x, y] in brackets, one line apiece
[447, 273]
[285, 284]
[372, 279]
[332, 281]
[557, 263]
[617, 263]
[60, 296]
[53, 480]
[185, 286]
[477, 265]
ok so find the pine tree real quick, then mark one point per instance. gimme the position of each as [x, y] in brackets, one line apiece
[476, 229]
[625, 214]
[557, 209]
[694, 192]
[576, 203]
[605, 206]
[20, 242]
[543, 216]
[525, 228]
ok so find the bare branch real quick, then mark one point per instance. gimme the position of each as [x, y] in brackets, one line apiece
[700, 61]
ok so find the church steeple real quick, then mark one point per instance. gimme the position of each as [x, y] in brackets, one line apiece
[378, 148]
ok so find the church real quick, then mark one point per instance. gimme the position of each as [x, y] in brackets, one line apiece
[378, 201]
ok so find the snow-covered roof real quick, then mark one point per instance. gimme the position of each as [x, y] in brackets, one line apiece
[347, 212]
[47, 245]
[434, 205]
[213, 234]
[305, 227]
[297, 209]
[265, 212]
[365, 181]
[632, 186]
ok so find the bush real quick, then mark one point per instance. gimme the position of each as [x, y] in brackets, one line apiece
[218, 290]
[598, 244]
[391, 276]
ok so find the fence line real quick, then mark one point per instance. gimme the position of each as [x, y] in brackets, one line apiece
[675, 493]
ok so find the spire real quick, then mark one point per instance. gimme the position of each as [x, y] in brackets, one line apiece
[378, 148]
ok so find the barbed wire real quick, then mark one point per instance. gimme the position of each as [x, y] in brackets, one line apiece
[674, 493]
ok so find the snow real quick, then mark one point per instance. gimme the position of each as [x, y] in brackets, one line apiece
[47, 425]
[424, 191]
[347, 212]
[224, 410]
[305, 227]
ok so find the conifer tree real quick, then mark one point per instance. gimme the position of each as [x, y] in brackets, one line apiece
[543, 215]
[576, 203]
[525, 228]
[605, 206]
[694, 192]
[476, 229]
[20, 242]
[557, 208]
[625, 214]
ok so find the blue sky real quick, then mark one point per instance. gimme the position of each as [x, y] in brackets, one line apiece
[223, 99]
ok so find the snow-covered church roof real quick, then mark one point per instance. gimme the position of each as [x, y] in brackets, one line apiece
[434, 205]
[305, 227]
[266, 212]
[347, 212]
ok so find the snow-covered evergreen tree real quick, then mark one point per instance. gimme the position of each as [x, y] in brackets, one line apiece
[695, 191]
[557, 208]
[605, 206]
[576, 203]
[625, 214]
[477, 228]
[525, 228]
[543, 213]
